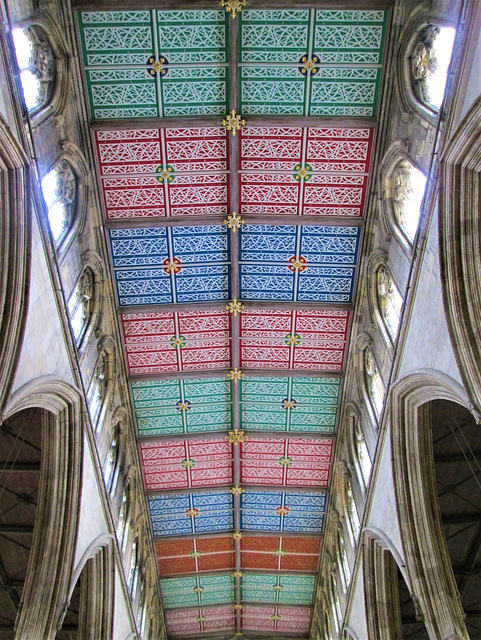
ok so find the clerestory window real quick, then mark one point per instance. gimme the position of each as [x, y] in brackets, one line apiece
[429, 65]
[37, 66]
[408, 185]
[59, 189]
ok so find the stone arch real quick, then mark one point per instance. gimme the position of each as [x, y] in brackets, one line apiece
[426, 556]
[460, 248]
[15, 242]
[380, 562]
[96, 571]
[56, 104]
[51, 559]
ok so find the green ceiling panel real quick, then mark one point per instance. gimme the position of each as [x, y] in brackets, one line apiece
[289, 404]
[155, 63]
[310, 62]
[282, 589]
[170, 407]
[200, 590]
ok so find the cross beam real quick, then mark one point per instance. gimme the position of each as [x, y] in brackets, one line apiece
[148, 5]
[181, 122]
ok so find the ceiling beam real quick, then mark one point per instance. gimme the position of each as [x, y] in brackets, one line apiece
[130, 5]
[245, 486]
[218, 373]
[181, 122]
[461, 518]
[246, 534]
[20, 467]
[279, 435]
[456, 458]
[195, 221]
[220, 306]
[21, 529]
[266, 572]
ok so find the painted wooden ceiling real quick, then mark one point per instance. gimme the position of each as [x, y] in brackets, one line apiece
[235, 337]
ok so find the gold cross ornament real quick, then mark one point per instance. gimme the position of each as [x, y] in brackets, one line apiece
[233, 6]
[235, 307]
[236, 437]
[234, 221]
[233, 122]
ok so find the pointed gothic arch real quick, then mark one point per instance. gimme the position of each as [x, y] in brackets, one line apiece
[460, 248]
[15, 241]
[427, 560]
[47, 585]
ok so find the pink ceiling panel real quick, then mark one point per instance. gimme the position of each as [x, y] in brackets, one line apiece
[208, 619]
[311, 171]
[166, 172]
[181, 464]
[287, 462]
[180, 341]
[294, 619]
[309, 340]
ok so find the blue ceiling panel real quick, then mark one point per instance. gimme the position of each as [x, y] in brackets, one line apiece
[174, 514]
[167, 265]
[298, 263]
[282, 511]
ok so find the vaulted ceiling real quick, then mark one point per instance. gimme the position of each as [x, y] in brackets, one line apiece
[235, 325]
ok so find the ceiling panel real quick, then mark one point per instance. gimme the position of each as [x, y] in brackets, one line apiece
[280, 553]
[286, 462]
[308, 62]
[163, 172]
[283, 619]
[167, 265]
[202, 619]
[198, 590]
[174, 514]
[179, 341]
[289, 404]
[184, 464]
[282, 589]
[304, 263]
[155, 63]
[195, 555]
[310, 171]
[303, 340]
[283, 511]
[173, 407]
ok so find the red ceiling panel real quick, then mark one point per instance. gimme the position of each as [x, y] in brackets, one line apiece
[167, 172]
[280, 553]
[195, 555]
[300, 340]
[312, 171]
[182, 464]
[180, 341]
[286, 462]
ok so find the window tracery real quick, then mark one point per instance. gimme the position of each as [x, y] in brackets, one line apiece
[408, 184]
[98, 388]
[429, 64]
[374, 383]
[112, 461]
[80, 305]
[123, 524]
[36, 62]
[389, 301]
[342, 562]
[59, 189]
[350, 509]
[363, 460]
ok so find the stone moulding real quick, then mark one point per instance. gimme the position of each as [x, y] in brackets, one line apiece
[460, 249]
[15, 255]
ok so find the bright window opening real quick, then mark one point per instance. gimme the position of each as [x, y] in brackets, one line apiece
[408, 193]
[430, 64]
[36, 63]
